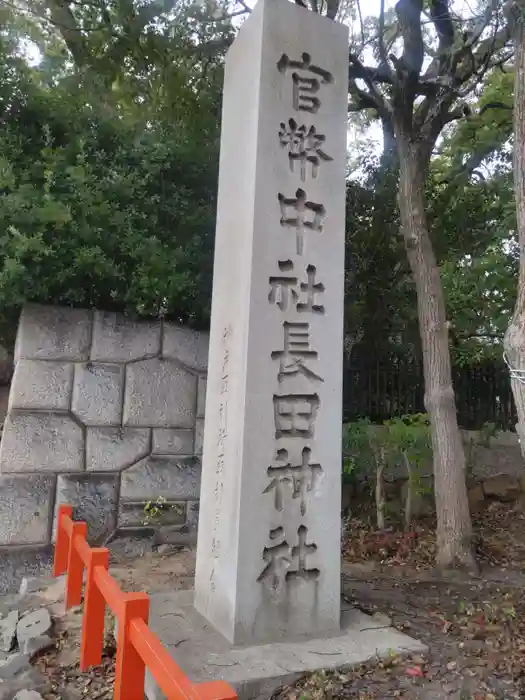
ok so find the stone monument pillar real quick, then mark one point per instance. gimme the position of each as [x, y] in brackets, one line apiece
[268, 559]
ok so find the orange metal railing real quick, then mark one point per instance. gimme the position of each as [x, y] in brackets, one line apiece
[137, 647]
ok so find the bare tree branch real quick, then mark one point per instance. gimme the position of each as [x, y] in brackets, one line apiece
[383, 61]
[409, 18]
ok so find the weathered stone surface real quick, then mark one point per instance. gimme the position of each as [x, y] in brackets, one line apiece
[32, 584]
[187, 346]
[201, 397]
[40, 384]
[8, 631]
[28, 695]
[94, 500]
[33, 625]
[41, 442]
[113, 449]
[117, 338]
[28, 678]
[170, 441]
[159, 394]
[503, 487]
[53, 333]
[34, 645]
[192, 514]
[171, 477]
[133, 514]
[25, 505]
[199, 436]
[97, 394]
[16, 562]
[13, 665]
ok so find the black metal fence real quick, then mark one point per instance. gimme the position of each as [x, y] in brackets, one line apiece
[379, 390]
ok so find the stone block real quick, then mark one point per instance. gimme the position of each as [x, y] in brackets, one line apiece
[28, 695]
[8, 631]
[25, 508]
[34, 645]
[17, 562]
[192, 515]
[159, 394]
[13, 665]
[201, 397]
[133, 514]
[268, 557]
[199, 436]
[502, 487]
[42, 385]
[97, 393]
[118, 338]
[170, 441]
[174, 478]
[53, 333]
[113, 449]
[41, 442]
[256, 672]
[16, 688]
[32, 625]
[186, 346]
[94, 499]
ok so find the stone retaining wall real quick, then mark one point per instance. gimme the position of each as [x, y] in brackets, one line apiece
[105, 413]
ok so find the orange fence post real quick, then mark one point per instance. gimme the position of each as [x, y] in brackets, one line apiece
[94, 609]
[75, 567]
[62, 542]
[130, 669]
[137, 646]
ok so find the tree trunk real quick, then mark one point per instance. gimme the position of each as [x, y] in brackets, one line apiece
[454, 528]
[380, 491]
[514, 341]
[410, 486]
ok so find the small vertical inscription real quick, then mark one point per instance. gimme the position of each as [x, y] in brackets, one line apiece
[222, 434]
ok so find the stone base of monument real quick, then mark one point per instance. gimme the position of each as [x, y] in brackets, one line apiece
[255, 672]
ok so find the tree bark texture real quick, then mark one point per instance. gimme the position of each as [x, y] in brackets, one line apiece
[514, 341]
[454, 528]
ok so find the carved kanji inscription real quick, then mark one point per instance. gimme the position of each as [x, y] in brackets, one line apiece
[304, 147]
[285, 562]
[287, 291]
[296, 352]
[301, 215]
[300, 479]
[305, 86]
[295, 415]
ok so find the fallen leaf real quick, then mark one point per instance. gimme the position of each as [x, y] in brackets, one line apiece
[415, 671]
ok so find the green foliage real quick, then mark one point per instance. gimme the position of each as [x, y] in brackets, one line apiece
[153, 510]
[108, 190]
[363, 442]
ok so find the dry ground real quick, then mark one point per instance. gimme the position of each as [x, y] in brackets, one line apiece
[474, 627]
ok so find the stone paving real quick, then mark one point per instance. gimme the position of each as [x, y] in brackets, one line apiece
[26, 629]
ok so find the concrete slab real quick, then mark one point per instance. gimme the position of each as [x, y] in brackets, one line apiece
[255, 672]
